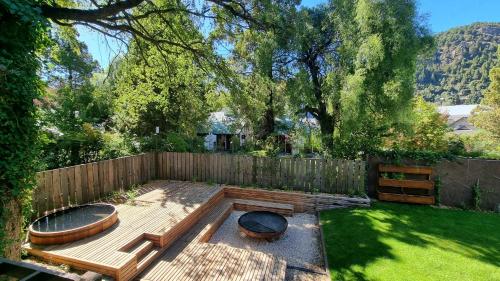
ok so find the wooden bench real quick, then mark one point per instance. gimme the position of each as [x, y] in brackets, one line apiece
[252, 205]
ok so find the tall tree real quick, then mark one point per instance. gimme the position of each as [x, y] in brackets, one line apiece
[488, 115]
[24, 24]
[356, 64]
[376, 95]
[166, 90]
[260, 57]
[316, 50]
[70, 108]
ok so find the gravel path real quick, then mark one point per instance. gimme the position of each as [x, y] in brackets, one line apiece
[299, 246]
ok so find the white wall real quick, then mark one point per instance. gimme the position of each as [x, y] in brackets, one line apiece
[210, 140]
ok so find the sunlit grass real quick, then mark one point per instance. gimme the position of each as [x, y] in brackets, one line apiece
[405, 242]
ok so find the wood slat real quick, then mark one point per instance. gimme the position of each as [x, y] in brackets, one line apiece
[405, 169]
[90, 182]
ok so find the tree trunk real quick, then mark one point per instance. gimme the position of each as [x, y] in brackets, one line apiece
[268, 120]
[12, 232]
[327, 126]
[326, 120]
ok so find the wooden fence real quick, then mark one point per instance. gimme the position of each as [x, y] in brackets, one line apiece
[309, 175]
[90, 182]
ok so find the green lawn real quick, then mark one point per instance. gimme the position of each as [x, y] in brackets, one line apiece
[405, 242]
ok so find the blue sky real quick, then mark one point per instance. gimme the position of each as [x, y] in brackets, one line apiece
[441, 15]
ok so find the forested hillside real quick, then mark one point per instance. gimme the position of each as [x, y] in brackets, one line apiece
[457, 73]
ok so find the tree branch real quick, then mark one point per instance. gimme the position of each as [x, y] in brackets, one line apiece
[61, 13]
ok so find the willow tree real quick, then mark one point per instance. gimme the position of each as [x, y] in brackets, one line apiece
[376, 96]
[355, 69]
[24, 26]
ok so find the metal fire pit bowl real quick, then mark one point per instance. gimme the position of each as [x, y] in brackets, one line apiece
[263, 225]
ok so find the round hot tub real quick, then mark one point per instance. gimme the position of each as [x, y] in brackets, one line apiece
[71, 224]
[263, 225]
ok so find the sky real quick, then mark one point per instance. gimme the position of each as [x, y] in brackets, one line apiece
[441, 15]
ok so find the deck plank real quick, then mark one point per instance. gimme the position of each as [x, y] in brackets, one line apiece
[159, 209]
[178, 218]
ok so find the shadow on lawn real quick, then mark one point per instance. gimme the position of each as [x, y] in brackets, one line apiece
[354, 236]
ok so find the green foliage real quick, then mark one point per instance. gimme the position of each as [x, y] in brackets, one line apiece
[428, 130]
[258, 61]
[235, 143]
[355, 71]
[71, 148]
[114, 145]
[73, 111]
[158, 89]
[476, 196]
[396, 155]
[487, 117]
[458, 70]
[480, 144]
[171, 142]
[22, 36]
[384, 38]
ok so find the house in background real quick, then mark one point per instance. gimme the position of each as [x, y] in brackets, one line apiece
[221, 131]
[458, 117]
[294, 136]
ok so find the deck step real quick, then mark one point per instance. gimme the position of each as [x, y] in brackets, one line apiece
[254, 205]
[145, 260]
[208, 225]
[141, 248]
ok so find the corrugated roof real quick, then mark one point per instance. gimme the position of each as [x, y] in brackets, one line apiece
[457, 110]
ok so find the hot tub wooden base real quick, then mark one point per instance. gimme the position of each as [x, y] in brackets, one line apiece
[70, 235]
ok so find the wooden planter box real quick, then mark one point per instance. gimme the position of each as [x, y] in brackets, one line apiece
[423, 184]
[403, 186]
[406, 198]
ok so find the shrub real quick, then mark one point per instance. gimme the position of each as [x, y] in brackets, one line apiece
[171, 142]
[476, 196]
[114, 146]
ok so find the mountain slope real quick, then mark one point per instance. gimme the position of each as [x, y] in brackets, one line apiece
[457, 73]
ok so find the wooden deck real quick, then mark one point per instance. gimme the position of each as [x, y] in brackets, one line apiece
[216, 262]
[190, 258]
[169, 221]
[162, 235]
[158, 218]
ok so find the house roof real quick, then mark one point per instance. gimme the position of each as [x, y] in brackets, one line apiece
[221, 122]
[454, 111]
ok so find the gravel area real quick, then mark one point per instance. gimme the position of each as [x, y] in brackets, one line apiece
[300, 245]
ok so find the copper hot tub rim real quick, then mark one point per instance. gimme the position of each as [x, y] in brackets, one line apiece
[73, 234]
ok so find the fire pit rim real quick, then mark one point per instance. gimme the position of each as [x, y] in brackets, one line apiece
[263, 234]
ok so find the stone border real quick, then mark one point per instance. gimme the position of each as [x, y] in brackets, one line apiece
[323, 247]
